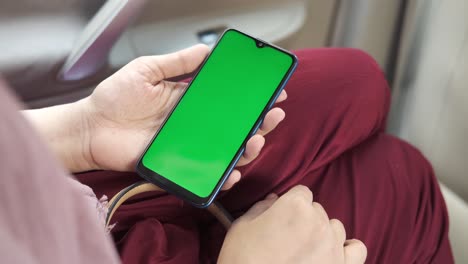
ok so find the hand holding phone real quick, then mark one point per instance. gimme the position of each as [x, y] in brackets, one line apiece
[205, 135]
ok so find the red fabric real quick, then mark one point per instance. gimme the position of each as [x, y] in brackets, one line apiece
[332, 140]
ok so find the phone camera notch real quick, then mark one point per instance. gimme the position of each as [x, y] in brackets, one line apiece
[260, 44]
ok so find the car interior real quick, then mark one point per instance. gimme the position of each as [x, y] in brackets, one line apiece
[54, 52]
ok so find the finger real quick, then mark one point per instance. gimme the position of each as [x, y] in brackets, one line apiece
[234, 177]
[355, 252]
[175, 64]
[252, 149]
[177, 85]
[283, 96]
[320, 211]
[272, 119]
[338, 230]
[260, 207]
[171, 94]
[299, 191]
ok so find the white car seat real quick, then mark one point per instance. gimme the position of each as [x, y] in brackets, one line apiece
[430, 104]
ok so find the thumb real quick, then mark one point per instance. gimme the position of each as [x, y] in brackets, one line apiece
[260, 207]
[174, 64]
[355, 252]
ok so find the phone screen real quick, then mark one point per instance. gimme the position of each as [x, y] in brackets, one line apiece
[196, 148]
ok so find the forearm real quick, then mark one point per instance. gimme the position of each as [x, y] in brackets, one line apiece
[65, 130]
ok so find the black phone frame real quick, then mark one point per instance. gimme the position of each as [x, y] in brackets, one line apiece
[179, 191]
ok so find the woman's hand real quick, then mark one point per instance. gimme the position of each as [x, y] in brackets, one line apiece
[289, 229]
[111, 128]
[126, 109]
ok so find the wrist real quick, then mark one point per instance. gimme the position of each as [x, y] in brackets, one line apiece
[65, 129]
[81, 110]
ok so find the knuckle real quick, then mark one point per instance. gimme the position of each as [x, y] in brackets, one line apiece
[320, 212]
[148, 66]
[338, 228]
[297, 201]
[319, 208]
[321, 227]
[337, 224]
[298, 204]
[302, 189]
[361, 246]
[357, 251]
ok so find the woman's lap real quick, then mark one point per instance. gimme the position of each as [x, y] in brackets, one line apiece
[332, 140]
[337, 98]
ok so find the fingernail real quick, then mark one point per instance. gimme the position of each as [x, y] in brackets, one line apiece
[271, 196]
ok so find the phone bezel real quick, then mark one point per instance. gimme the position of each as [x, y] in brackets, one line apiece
[171, 187]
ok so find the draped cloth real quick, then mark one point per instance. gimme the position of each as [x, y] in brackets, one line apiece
[333, 140]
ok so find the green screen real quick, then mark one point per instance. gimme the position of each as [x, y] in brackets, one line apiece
[206, 129]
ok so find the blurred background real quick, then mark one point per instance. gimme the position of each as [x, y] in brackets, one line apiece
[56, 51]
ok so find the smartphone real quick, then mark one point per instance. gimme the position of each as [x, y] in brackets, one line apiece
[203, 137]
